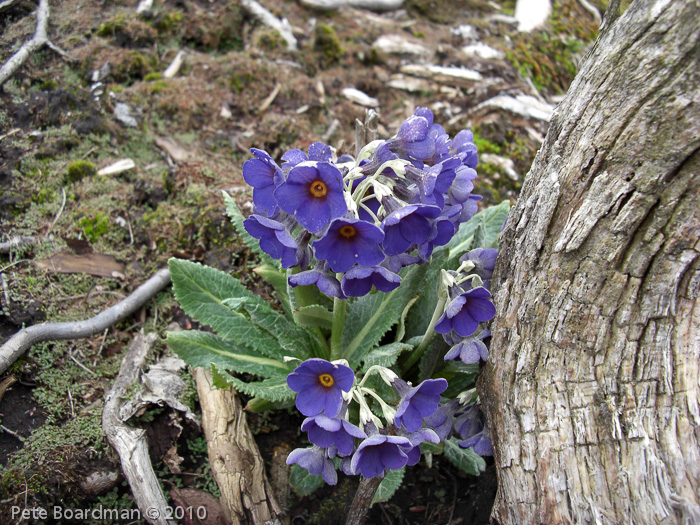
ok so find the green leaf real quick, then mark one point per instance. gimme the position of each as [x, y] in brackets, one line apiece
[418, 317]
[432, 358]
[278, 280]
[202, 291]
[293, 339]
[459, 376]
[274, 389]
[259, 404]
[314, 315]
[385, 355]
[198, 348]
[389, 485]
[492, 220]
[464, 459]
[372, 315]
[251, 242]
[304, 483]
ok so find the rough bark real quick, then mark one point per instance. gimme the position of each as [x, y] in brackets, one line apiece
[592, 384]
[238, 468]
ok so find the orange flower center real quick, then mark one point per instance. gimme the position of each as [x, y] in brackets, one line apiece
[318, 189]
[326, 380]
[347, 231]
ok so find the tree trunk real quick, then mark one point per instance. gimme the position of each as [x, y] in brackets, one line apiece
[591, 388]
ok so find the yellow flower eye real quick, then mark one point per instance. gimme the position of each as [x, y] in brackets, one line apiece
[347, 231]
[318, 189]
[326, 380]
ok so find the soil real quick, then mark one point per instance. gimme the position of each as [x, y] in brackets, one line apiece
[239, 87]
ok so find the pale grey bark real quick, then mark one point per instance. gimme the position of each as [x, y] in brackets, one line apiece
[592, 384]
[25, 338]
[129, 442]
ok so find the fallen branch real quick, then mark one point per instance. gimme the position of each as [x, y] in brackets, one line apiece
[20, 240]
[25, 338]
[282, 26]
[39, 40]
[238, 469]
[129, 442]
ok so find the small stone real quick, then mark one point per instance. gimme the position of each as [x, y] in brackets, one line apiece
[122, 112]
[358, 97]
[483, 51]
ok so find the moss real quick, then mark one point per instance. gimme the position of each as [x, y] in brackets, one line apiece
[159, 86]
[271, 40]
[48, 457]
[79, 170]
[95, 226]
[238, 81]
[134, 66]
[167, 22]
[153, 76]
[113, 26]
[327, 45]
[42, 196]
[128, 32]
[48, 85]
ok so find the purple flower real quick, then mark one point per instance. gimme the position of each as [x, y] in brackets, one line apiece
[378, 453]
[320, 385]
[464, 313]
[314, 460]
[471, 349]
[318, 151]
[484, 260]
[442, 419]
[275, 240]
[396, 262]
[464, 148]
[325, 282]
[406, 226]
[350, 241]
[413, 140]
[263, 174]
[442, 231]
[462, 185]
[358, 280]
[313, 194]
[481, 442]
[417, 402]
[332, 432]
[469, 421]
[416, 438]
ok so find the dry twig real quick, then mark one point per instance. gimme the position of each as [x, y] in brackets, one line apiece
[129, 442]
[39, 40]
[22, 340]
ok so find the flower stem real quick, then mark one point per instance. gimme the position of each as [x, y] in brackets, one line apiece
[339, 311]
[428, 336]
[362, 500]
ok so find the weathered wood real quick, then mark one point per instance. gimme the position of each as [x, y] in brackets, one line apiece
[129, 442]
[592, 383]
[235, 460]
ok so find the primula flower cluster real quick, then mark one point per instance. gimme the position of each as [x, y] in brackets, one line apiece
[324, 392]
[468, 306]
[351, 224]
